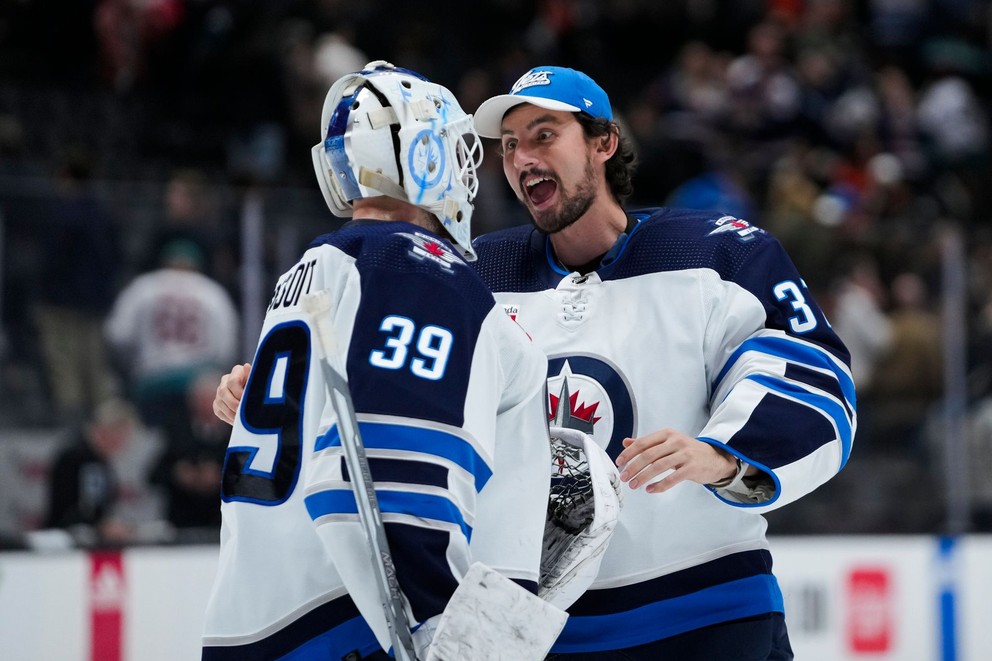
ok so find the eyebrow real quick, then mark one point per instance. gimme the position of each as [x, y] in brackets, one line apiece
[541, 119]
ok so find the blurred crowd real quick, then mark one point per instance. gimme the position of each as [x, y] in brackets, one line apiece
[858, 132]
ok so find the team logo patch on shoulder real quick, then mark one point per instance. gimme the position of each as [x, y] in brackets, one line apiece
[744, 230]
[429, 248]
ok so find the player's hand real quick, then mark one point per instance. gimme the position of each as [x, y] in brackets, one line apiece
[689, 459]
[229, 392]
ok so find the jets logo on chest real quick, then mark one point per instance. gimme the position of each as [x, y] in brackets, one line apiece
[590, 394]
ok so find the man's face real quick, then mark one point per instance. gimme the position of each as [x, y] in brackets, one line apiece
[111, 437]
[549, 164]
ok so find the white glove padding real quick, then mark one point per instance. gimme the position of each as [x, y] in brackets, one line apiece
[583, 509]
[491, 618]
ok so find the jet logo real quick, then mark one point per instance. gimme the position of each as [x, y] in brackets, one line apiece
[589, 394]
[742, 228]
[530, 79]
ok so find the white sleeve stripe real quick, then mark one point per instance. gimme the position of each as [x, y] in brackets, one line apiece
[792, 351]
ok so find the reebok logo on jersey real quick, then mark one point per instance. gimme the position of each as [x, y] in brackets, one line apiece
[743, 229]
[429, 248]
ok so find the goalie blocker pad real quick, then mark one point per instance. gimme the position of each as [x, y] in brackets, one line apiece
[490, 617]
[583, 510]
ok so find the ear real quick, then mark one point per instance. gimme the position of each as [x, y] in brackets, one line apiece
[607, 145]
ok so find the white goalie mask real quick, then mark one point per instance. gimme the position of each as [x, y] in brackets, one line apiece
[389, 131]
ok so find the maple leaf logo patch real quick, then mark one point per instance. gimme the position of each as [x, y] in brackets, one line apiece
[427, 247]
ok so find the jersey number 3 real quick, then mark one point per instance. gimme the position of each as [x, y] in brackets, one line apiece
[804, 320]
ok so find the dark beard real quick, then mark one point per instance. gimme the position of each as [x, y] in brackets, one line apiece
[573, 206]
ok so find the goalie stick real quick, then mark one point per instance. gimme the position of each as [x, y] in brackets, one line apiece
[318, 307]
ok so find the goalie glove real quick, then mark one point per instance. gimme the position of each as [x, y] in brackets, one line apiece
[583, 508]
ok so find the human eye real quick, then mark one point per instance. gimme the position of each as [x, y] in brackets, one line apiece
[509, 144]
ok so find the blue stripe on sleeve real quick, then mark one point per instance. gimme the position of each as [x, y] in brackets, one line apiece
[825, 404]
[817, 379]
[424, 506]
[794, 352]
[388, 436]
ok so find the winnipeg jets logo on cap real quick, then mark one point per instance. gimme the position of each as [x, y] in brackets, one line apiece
[530, 79]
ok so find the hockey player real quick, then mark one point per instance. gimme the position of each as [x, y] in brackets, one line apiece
[449, 392]
[690, 348]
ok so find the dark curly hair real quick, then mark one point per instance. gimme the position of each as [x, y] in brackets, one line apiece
[620, 168]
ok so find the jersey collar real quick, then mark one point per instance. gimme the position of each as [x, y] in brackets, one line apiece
[594, 264]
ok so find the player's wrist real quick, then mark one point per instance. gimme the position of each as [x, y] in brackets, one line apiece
[734, 478]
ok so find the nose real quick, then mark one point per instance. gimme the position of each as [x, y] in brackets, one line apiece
[523, 157]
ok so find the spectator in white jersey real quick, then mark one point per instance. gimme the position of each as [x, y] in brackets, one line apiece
[688, 345]
[166, 327]
[449, 395]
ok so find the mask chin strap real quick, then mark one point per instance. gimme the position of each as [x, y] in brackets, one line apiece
[381, 183]
[450, 211]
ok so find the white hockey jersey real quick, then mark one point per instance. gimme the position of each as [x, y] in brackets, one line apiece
[699, 323]
[450, 396]
[171, 320]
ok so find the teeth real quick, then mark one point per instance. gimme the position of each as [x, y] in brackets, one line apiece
[530, 183]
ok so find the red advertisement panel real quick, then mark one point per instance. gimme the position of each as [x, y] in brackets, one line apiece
[106, 605]
[869, 613]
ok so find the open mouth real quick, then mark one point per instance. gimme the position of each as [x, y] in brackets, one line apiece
[539, 189]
